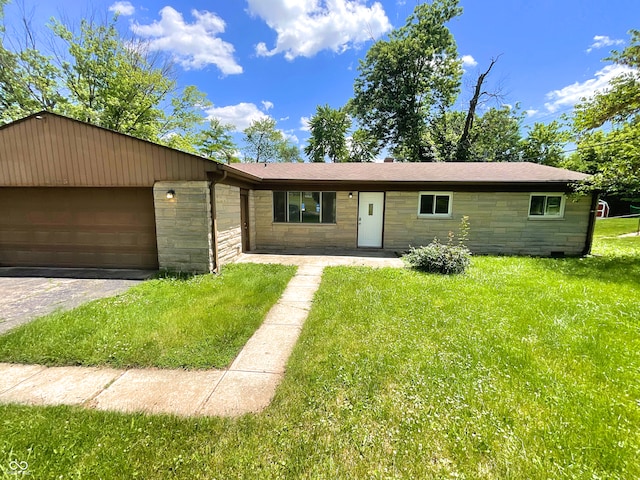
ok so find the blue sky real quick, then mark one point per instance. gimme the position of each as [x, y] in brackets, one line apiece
[282, 58]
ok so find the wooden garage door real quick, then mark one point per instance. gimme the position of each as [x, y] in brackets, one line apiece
[78, 227]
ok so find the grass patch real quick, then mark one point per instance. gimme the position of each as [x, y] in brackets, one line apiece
[523, 368]
[195, 322]
[607, 243]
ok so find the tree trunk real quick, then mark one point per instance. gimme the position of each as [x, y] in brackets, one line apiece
[464, 144]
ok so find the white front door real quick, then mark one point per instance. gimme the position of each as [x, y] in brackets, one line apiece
[370, 219]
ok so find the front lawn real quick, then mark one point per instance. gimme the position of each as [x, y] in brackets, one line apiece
[524, 368]
[199, 322]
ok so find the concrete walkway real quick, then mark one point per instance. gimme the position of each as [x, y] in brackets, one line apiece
[247, 386]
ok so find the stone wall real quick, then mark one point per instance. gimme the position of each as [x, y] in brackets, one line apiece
[499, 224]
[227, 222]
[278, 236]
[183, 226]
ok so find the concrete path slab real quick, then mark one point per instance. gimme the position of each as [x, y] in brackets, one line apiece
[287, 313]
[327, 258]
[176, 392]
[239, 393]
[12, 375]
[268, 349]
[61, 385]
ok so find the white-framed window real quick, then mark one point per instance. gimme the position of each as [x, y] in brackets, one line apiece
[546, 205]
[304, 207]
[435, 204]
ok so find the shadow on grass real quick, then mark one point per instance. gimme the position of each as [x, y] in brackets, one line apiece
[175, 275]
[611, 269]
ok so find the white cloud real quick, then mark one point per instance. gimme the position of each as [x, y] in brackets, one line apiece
[531, 112]
[123, 8]
[267, 105]
[240, 115]
[304, 124]
[601, 41]
[305, 27]
[193, 45]
[572, 94]
[292, 137]
[468, 61]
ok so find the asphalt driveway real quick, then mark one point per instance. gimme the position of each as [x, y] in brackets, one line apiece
[26, 294]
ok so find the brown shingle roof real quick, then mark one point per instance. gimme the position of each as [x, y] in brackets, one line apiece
[451, 172]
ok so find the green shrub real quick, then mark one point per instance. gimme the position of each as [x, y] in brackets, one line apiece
[440, 258]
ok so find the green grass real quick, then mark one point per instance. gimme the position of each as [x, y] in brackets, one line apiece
[607, 241]
[199, 322]
[522, 369]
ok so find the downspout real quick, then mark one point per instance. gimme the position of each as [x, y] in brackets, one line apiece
[214, 218]
[592, 224]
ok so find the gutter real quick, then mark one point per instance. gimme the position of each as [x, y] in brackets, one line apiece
[595, 196]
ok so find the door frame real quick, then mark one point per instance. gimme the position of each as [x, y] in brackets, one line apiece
[384, 202]
[244, 220]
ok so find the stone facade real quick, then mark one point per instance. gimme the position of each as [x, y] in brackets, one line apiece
[183, 226]
[280, 236]
[227, 223]
[499, 224]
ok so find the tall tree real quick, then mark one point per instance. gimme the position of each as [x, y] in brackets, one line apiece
[288, 152]
[463, 148]
[494, 137]
[95, 75]
[362, 147]
[616, 153]
[112, 83]
[216, 142]
[497, 136]
[405, 80]
[545, 143]
[29, 81]
[328, 129]
[263, 142]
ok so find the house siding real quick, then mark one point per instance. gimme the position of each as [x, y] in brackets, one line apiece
[270, 235]
[54, 151]
[183, 226]
[228, 223]
[499, 224]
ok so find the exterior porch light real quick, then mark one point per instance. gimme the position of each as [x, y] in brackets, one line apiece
[171, 194]
[350, 194]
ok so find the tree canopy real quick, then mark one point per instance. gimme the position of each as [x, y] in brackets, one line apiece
[406, 79]
[97, 76]
[613, 154]
[265, 143]
[328, 128]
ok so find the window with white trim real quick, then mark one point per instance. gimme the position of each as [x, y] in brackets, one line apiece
[304, 207]
[435, 204]
[546, 205]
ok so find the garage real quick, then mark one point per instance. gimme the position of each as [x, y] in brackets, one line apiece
[78, 227]
[75, 195]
